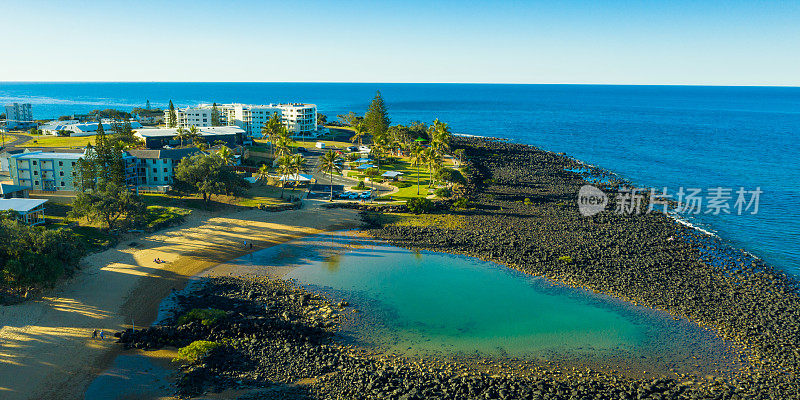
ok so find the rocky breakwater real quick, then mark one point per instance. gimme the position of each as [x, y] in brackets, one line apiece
[272, 339]
[522, 212]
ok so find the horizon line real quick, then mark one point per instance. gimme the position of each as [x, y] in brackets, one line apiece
[434, 83]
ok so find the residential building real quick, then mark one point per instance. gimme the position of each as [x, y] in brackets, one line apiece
[8, 191]
[44, 170]
[30, 211]
[157, 167]
[199, 116]
[19, 116]
[156, 138]
[300, 119]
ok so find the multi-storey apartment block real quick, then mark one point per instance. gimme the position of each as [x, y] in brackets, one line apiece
[19, 116]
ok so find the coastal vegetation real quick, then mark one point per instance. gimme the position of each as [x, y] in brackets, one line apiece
[207, 175]
[34, 256]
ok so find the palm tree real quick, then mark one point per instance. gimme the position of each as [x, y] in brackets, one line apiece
[194, 134]
[459, 153]
[434, 161]
[298, 163]
[226, 154]
[440, 135]
[282, 146]
[359, 130]
[272, 130]
[418, 157]
[285, 169]
[180, 135]
[329, 163]
[263, 173]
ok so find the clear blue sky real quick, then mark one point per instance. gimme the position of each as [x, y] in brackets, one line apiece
[604, 41]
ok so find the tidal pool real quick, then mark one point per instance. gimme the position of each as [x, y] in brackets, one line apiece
[427, 303]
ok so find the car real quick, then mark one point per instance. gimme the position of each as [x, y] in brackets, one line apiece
[302, 150]
[365, 195]
[363, 148]
[351, 148]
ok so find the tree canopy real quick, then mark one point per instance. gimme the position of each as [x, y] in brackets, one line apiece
[207, 174]
[377, 117]
[30, 256]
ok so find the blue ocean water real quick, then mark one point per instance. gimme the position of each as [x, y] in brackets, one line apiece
[656, 136]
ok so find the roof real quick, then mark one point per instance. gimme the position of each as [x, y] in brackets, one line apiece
[21, 205]
[295, 177]
[391, 174]
[174, 154]
[203, 131]
[8, 188]
[40, 155]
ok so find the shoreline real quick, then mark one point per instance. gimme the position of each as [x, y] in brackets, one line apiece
[497, 229]
[46, 352]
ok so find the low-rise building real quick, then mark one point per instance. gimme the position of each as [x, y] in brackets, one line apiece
[157, 167]
[76, 128]
[19, 116]
[156, 138]
[29, 211]
[46, 171]
[9, 191]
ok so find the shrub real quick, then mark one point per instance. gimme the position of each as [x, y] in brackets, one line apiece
[419, 205]
[206, 316]
[449, 175]
[196, 351]
[401, 184]
[360, 186]
[462, 204]
[527, 201]
[443, 192]
[565, 259]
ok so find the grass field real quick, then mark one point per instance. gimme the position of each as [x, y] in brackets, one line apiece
[58, 141]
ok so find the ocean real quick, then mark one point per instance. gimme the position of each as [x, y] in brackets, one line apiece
[656, 136]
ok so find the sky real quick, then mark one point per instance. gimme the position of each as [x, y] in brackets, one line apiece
[600, 42]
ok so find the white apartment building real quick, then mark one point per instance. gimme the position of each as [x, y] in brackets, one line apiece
[19, 116]
[199, 116]
[299, 118]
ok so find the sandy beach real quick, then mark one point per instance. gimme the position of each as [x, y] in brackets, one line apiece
[46, 351]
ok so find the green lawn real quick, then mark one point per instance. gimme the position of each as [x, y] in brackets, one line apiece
[58, 141]
[409, 176]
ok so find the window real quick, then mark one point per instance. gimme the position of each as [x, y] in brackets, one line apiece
[62, 184]
[73, 163]
[155, 179]
[36, 172]
[155, 170]
[60, 163]
[35, 182]
[34, 162]
[165, 170]
[61, 173]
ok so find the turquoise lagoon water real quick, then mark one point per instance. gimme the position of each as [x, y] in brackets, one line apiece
[427, 303]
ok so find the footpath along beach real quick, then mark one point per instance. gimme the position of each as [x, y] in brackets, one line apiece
[46, 351]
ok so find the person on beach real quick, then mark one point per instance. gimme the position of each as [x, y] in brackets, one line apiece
[251, 246]
[102, 335]
[94, 335]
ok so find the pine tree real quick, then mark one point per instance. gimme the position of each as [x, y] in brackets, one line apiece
[172, 120]
[214, 115]
[377, 117]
